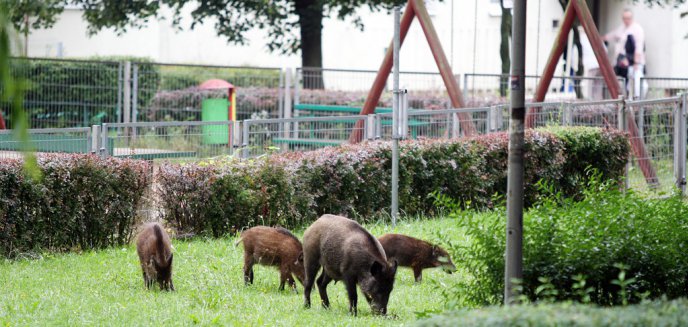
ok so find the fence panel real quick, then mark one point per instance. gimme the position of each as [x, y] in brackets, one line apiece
[297, 134]
[348, 87]
[655, 120]
[167, 140]
[68, 93]
[478, 86]
[46, 140]
[659, 87]
[593, 113]
[173, 92]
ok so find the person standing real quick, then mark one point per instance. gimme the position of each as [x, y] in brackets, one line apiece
[595, 82]
[630, 49]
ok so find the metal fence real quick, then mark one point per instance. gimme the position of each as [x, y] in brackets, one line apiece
[561, 87]
[167, 140]
[349, 87]
[173, 92]
[68, 93]
[261, 136]
[660, 87]
[656, 120]
[441, 123]
[46, 140]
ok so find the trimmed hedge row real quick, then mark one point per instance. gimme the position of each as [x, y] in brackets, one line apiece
[658, 313]
[81, 202]
[292, 189]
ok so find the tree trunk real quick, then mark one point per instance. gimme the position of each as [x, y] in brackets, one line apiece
[505, 28]
[580, 69]
[310, 14]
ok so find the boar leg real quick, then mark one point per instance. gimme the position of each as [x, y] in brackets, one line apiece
[323, 280]
[418, 273]
[353, 295]
[248, 269]
[311, 269]
[285, 276]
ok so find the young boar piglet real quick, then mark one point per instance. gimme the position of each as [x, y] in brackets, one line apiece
[270, 246]
[155, 254]
[415, 253]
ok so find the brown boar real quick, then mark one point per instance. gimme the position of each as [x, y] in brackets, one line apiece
[347, 252]
[155, 254]
[270, 246]
[415, 253]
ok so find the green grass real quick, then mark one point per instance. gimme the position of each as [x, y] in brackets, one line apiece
[106, 288]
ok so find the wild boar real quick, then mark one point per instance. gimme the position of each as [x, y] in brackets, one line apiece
[270, 246]
[347, 252]
[155, 254]
[415, 253]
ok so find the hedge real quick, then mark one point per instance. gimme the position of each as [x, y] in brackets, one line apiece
[611, 247]
[292, 189]
[657, 313]
[81, 202]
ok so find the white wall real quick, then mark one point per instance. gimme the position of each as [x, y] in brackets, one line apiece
[346, 47]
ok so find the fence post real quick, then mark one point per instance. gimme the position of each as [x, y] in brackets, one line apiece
[621, 125]
[95, 137]
[297, 85]
[244, 138]
[465, 84]
[455, 126]
[126, 101]
[680, 143]
[120, 84]
[134, 98]
[378, 127]
[568, 114]
[280, 92]
[104, 141]
[236, 136]
[370, 127]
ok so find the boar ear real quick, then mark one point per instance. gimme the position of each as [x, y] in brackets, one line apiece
[435, 250]
[394, 266]
[376, 268]
[300, 258]
[171, 257]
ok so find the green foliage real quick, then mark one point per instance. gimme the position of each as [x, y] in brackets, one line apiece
[70, 93]
[657, 313]
[292, 189]
[565, 239]
[82, 201]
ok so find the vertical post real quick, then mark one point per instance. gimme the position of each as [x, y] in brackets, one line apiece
[126, 104]
[95, 136]
[622, 125]
[104, 141]
[236, 131]
[455, 126]
[680, 143]
[641, 122]
[120, 84]
[280, 92]
[370, 127]
[568, 113]
[395, 117]
[514, 224]
[286, 112]
[134, 100]
[245, 138]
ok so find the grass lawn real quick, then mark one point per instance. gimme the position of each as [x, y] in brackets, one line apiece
[106, 288]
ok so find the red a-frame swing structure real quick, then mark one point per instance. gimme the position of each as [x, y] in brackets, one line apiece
[575, 9]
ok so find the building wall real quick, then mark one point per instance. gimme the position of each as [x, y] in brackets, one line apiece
[346, 47]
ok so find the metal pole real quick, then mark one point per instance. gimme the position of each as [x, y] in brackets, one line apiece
[622, 125]
[514, 224]
[395, 117]
[95, 137]
[680, 144]
[287, 107]
[126, 115]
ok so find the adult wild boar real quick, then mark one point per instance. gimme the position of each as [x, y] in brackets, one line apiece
[415, 253]
[155, 255]
[270, 246]
[347, 252]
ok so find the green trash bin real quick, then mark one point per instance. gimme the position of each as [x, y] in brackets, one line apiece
[215, 110]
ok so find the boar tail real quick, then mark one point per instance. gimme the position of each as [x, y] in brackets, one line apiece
[159, 242]
[241, 238]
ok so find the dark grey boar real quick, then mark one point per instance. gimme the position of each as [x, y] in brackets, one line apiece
[347, 252]
[270, 246]
[155, 254]
[415, 253]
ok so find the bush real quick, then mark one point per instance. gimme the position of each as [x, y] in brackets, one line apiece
[658, 313]
[610, 248]
[71, 93]
[292, 189]
[82, 201]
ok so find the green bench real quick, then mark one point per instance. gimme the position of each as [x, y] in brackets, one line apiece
[313, 109]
